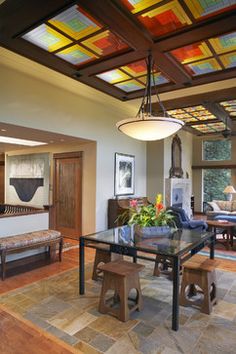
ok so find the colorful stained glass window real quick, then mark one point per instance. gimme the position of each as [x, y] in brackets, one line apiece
[229, 60]
[207, 8]
[203, 67]
[225, 43]
[47, 38]
[76, 55]
[105, 43]
[139, 5]
[192, 52]
[159, 79]
[75, 22]
[165, 19]
[113, 76]
[129, 86]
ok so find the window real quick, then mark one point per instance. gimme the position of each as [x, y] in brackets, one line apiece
[214, 183]
[216, 150]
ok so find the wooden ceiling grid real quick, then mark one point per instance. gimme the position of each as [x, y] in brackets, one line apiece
[104, 43]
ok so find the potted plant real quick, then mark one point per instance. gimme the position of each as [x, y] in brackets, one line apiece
[150, 219]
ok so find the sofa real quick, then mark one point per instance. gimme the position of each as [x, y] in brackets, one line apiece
[222, 208]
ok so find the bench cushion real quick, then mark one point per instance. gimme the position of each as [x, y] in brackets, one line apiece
[28, 239]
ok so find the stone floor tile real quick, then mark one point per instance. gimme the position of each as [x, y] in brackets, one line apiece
[123, 345]
[86, 334]
[37, 321]
[86, 348]
[143, 329]
[225, 310]
[111, 326]
[102, 342]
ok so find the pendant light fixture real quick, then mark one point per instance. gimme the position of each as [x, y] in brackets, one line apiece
[146, 126]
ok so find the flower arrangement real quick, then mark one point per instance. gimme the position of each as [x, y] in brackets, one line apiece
[150, 215]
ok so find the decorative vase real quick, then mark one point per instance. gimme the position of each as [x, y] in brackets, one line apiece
[152, 231]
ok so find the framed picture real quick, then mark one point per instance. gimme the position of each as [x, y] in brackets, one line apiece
[124, 174]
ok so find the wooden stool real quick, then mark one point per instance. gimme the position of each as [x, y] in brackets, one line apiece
[162, 265]
[201, 273]
[121, 276]
[103, 255]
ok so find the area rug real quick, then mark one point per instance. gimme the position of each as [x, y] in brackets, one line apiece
[54, 304]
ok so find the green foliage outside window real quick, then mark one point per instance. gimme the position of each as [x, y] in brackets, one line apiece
[216, 150]
[215, 180]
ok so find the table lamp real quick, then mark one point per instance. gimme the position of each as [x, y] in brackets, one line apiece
[229, 190]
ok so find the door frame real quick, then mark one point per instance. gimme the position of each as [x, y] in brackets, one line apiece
[66, 155]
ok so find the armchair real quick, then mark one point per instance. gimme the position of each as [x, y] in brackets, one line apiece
[184, 222]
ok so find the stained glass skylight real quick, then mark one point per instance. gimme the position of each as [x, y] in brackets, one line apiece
[75, 36]
[225, 43]
[202, 9]
[113, 76]
[76, 55]
[229, 60]
[230, 107]
[192, 52]
[75, 22]
[129, 86]
[192, 114]
[210, 128]
[47, 38]
[105, 43]
[203, 67]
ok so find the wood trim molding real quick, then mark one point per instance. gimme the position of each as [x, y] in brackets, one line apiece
[200, 167]
[66, 155]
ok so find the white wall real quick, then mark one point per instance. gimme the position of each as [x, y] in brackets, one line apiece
[159, 162]
[30, 102]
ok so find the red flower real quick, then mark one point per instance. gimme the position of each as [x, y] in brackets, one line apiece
[159, 206]
[133, 203]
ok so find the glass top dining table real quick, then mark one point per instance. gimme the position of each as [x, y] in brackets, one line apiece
[177, 246]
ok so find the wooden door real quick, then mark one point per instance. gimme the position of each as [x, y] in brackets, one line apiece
[68, 193]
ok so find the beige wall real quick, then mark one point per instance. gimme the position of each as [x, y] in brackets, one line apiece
[198, 174]
[159, 162]
[28, 101]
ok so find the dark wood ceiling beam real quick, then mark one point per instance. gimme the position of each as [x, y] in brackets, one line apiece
[201, 32]
[187, 101]
[219, 112]
[109, 14]
[120, 23]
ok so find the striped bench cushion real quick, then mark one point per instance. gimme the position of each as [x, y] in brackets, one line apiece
[28, 239]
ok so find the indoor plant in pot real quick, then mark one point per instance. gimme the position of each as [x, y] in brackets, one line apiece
[151, 219]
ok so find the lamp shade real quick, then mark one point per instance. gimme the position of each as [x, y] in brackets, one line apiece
[150, 128]
[229, 189]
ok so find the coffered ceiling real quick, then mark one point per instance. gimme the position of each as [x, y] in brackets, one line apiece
[104, 44]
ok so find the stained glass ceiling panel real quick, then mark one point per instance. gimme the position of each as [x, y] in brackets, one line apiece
[203, 67]
[159, 79]
[139, 5]
[138, 68]
[210, 128]
[225, 43]
[75, 22]
[202, 9]
[229, 60]
[193, 52]
[192, 114]
[113, 76]
[105, 43]
[47, 38]
[76, 55]
[229, 106]
[129, 86]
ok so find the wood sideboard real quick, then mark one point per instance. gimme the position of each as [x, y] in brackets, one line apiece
[117, 207]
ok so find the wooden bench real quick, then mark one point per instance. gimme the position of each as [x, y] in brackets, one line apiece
[27, 241]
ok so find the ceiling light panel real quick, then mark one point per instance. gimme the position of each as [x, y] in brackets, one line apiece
[228, 60]
[10, 140]
[130, 86]
[76, 55]
[225, 43]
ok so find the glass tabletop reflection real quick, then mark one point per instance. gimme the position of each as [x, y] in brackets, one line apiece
[173, 243]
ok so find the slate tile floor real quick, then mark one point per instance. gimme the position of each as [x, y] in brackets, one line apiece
[54, 304]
